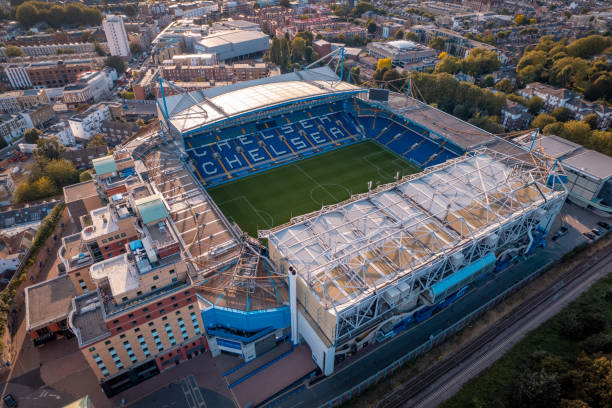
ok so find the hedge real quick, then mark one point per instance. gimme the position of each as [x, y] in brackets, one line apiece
[7, 295]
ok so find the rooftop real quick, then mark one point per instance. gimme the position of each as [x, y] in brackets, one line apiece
[78, 191]
[102, 222]
[119, 273]
[87, 319]
[48, 302]
[347, 251]
[151, 209]
[217, 104]
[591, 162]
[440, 123]
[104, 165]
[554, 146]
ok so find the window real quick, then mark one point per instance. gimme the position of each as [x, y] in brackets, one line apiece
[124, 299]
[122, 336]
[171, 271]
[148, 317]
[145, 309]
[170, 334]
[144, 346]
[190, 307]
[104, 241]
[101, 365]
[194, 321]
[183, 329]
[175, 305]
[106, 248]
[123, 234]
[155, 277]
[139, 293]
[157, 340]
[107, 342]
[92, 349]
[173, 298]
[178, 312]
[130, 352]
[110, 239]
[136, 330]
[130, 315]
[153, 287]
[117, 236]
[159, 303]
[162, 311]
[150, 323]
[116, 358]
[165, 318]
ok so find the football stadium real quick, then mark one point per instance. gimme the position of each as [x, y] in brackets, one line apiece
[377, 209]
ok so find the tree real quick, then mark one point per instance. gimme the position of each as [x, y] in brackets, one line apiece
[488, 81]
[130, 10]
[31, 135]
[555, 128]
[11, 51]
[561, 113]
[98, 49]
[97, 140]
[298, 49]
[86, 37]
[62, 172]
[399, 35]
[505, 86]
[45, 187]
[371, 26]
[85, 176]
[535, 104]
[520, 20]
[592, 380]
[573, 404]
[383, 63]
[487, 123]
[135, 48]
[275, 51]
[355, 73]
[115, 62]
[576, 131]
[592, 120]
[535, 389]
[449, 64]
[542, 120]
[27, 14]
[49, 147]
[588, 46]
[481, 61]
[437, 43]
[410, 36]
[392, 79]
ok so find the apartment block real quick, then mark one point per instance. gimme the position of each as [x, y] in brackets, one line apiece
[87, 124]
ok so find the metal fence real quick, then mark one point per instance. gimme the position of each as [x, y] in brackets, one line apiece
[427, 346]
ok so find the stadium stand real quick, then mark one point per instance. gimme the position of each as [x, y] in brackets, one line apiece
[242, 150]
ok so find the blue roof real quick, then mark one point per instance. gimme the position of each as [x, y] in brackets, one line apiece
[151, 209]
[104, 165]
[462, 274]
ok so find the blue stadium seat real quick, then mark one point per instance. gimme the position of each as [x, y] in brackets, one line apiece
[207, 165]
[422, 153]
[313, 133]
[254, 153]
[231, 159]
[273, 144]
[332, 129]
[293, 139]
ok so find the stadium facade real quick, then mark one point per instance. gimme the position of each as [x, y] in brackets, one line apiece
[386, 257]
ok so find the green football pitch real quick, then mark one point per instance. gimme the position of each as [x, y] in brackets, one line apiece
[271, 198]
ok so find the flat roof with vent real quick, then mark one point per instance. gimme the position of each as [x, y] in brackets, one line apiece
[151, 209]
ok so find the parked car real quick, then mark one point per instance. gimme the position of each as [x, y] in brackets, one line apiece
[10, 401]
[596, 231]
[604, 225]
[561, 232]
[589, 235]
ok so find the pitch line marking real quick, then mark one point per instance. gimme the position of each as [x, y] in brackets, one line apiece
[269, 223]
[315, 181]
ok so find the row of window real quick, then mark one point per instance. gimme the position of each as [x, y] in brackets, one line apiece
[123, 234]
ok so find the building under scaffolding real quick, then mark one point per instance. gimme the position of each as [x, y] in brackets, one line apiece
[387, 251]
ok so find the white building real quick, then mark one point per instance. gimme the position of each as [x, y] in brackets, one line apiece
[91, 87]
[116, 36]
[12, 127]
[89, 123]
[64, 133]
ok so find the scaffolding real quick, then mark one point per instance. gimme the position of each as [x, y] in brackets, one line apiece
[360, 258]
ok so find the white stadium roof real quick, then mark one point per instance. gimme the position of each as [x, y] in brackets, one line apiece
[216, 104]
[347, 251]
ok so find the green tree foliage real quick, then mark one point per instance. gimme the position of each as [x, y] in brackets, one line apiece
[589, 46]
[31, 135]
[555, 128]
[576, 131]
[592, 380]
[49, 148]
[521, 20]
[488, 81]
[481, 61]
[459, 98]
[61, 172]
[410, 36]
[592, 120]
[41, 188]
[437, 43]
[130, 10]
[399, 35]
[116, 62]
[569, 65]
[505, 86]
[135, 48]
[98, 140]
[562, 114]
[449, 64]
[87, 37]
[371, 26]
[535, 104]
[542, 120]
[11, 51]
[298, 49]
[33, 12]
[488, 123]
[85, 175]
[98, 49]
